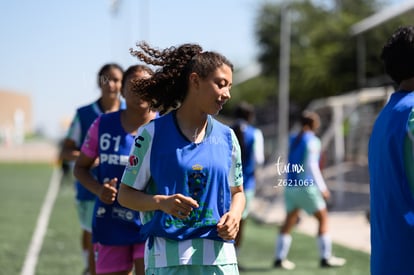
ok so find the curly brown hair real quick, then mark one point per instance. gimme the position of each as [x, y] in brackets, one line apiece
[168, 87]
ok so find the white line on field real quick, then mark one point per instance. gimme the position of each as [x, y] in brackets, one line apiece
[29, 266]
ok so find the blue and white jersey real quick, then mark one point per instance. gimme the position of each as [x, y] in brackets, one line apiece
[163, 161]
[84, 117]
[80, 124]
[253, 153]
[303, 162]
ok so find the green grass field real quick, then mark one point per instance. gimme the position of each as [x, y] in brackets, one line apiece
[24, 187]
[256, 255]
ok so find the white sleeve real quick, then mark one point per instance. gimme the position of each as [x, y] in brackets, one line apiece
[314, 149]
[235, 176]
[258, 147]
[409, 151]
[137, 172]
[74, 132]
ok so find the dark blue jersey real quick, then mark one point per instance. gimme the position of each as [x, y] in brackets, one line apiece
[248, 158]
[251, 139]
[114, 224]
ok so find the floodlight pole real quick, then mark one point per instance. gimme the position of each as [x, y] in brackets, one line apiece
[361, 64]
[370, 23]
[283, 93]
[144, 22]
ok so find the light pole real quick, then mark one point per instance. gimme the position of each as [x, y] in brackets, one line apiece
[144, 22]
[283, 94]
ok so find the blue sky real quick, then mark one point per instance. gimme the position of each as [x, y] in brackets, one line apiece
[52, 50]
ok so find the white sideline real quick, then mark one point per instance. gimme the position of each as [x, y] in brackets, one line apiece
[30, 262]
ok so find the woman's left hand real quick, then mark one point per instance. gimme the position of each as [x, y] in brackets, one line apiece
[228, 226]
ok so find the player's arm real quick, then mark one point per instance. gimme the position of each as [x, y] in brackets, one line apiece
[106, 191]
[70, 147]
[177, 205]
[137, 175]
[258, 147]
[228, 225]
[409, 153]
[69, 151]
[314, 168]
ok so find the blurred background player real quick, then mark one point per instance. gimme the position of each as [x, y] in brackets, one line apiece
[109, 82]
[305, 189]
[119, 247]
[252, 152]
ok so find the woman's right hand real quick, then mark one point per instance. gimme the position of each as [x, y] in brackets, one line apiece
[178, 205]
[326, 195]
[108, 191]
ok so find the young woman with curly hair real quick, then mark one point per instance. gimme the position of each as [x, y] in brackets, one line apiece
[185, 172]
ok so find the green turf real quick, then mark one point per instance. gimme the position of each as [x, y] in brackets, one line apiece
[256, 254]
[24, 187]
[61, 251]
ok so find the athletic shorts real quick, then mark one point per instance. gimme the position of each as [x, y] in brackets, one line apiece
[85, 213]
[117, 258]
[249, 195]
[307, 198]
[228, 269]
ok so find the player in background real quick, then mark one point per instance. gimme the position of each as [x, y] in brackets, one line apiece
[252, 152]
[305, 189]
[119, 246]
[109, 82]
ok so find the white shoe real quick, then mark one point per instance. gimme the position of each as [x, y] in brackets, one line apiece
[284, 264]
[333, 262]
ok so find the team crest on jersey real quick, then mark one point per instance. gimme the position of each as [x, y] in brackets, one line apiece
[133, 160]
[197, 181]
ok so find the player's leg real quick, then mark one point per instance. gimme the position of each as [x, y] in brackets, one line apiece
[83, 210]
[284, 241]
[325, 242]
[138, 256]
[249, 194]
[85, 214]
[88, 219]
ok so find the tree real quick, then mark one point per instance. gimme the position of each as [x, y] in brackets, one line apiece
[323, 52]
